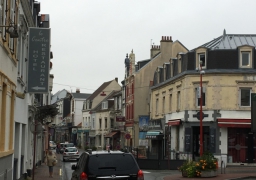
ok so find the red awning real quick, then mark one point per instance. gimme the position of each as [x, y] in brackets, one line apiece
[242, 123]
[175, 122]
[110, 134]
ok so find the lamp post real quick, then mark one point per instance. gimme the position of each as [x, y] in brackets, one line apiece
[201, 111]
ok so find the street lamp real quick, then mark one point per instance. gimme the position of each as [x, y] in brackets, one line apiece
[12, 30]
[201, 111]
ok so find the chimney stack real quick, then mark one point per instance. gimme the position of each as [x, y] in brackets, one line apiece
[77, 90]
[116, 79]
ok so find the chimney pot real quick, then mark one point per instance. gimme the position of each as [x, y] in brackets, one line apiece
[116, 79]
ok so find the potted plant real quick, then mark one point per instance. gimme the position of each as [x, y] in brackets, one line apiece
[188, 169]
[207, 165]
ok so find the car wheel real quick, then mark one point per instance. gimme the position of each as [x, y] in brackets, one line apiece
[63, 159]
[77, 159]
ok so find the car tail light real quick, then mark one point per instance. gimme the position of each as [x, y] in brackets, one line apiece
[64, 153]
[77, 152]
[83, 176]
[140, 175]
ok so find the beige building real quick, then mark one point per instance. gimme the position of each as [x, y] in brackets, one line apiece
[90, 120]
[138, 83]
[228, 79]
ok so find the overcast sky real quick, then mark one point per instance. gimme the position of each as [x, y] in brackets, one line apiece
[90, 38]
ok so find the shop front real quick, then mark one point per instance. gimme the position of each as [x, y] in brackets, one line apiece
[241, 141]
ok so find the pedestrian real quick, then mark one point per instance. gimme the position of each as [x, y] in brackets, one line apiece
[58, 148]
[51, 161]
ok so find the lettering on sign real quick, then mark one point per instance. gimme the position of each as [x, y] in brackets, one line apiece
[39, 60]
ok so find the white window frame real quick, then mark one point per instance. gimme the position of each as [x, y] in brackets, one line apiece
[205, 63]
[240, 96]
[104, 105]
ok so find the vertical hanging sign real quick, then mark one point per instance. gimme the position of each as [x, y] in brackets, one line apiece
[38, 60]
[253, 112]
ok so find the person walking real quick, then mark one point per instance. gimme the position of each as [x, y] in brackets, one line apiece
[51, 161]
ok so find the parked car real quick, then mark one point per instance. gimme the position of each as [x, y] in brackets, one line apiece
[52, 145]
[63, 146]
[70, 153]
[94, 165]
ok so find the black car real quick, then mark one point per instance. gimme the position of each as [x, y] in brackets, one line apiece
[106, 165]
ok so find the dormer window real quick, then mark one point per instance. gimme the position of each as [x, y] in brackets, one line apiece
[245, 56]
[245, 59]
[201, 58]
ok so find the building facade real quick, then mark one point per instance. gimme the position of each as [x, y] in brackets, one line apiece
[90, 119]
[228, 79]
[137, 84]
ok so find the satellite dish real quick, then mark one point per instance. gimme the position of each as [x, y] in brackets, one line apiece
[39, 127]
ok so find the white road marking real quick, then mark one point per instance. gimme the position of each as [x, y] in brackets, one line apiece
[60, 172]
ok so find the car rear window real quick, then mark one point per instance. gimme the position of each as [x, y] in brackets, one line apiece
[69, 145]
[71, 150]
[117, 162]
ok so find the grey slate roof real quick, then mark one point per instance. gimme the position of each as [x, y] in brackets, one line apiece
[231, 41]
[80, 95]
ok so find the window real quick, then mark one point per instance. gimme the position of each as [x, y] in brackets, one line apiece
[245, 96]
[156, 106]
[163, 107]
[105, 105]
[93, 123]
[201, 58]
[100, 123]
[112, 123]
[178, 100]
[106, 123]
[245, 59]
[170, 102]
[119, 102]
[198, 96]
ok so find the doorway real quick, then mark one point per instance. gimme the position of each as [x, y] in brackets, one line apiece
[196, 141]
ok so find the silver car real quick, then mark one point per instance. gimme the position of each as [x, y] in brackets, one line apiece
[70, 153]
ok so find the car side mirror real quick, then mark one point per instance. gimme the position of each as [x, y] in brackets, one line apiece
[74, 167]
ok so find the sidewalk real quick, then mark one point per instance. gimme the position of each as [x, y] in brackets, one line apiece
[42, 172]
[238, 173]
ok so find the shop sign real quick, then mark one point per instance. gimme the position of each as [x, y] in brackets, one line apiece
[120, 119]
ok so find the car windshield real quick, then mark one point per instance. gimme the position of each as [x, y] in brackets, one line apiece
[71, 150]
[117, 162]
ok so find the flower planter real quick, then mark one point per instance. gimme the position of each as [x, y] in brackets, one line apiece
[184, 174]
[208, 173]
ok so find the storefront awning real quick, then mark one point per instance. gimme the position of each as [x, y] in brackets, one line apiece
[128, 125]
[154, 135]
[242, 123]
[175, 122]
[109, 135]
